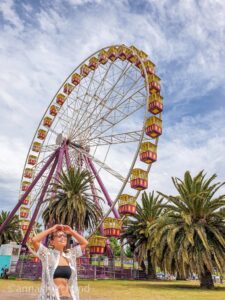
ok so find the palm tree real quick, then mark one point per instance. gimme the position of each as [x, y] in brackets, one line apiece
[191, 235]
[12, 230]
[136, 232]
[72, 202]
[37, 227]
[115, 246]
[128, 251]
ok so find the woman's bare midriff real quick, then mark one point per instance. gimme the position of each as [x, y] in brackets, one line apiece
[62, 283]
[63, 287]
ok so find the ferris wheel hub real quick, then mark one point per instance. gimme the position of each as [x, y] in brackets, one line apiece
[60, 139]
[82, 146]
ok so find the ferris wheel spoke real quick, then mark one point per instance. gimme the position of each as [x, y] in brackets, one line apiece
[79, 108]
[100, 163]
[73, 156]
[103, 99]
[40, 184]
[48, 148]
[53, 131]
[41, 210]
[112, 123]
[35, 194]
[35, 198]
[73, 123]
[73, 109]
[119, 109]
[105, 104]
[117, 65]
[108, 169]
[72, 100]
[64, 112]
[40, 163]
[122, 101]
[99, 87]
[120, 138]
[96, 105]
[38, 167]
[93, 116]
[114, 120]
[64, 121]
[108, 95]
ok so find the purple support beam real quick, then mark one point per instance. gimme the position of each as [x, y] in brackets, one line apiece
[93, 190]
[59, 166]
[40, 200]
[45, 240]
[58, 171]
[68, 162]
[115, 212]
[13, 212]
[60, 161]
[94, 193]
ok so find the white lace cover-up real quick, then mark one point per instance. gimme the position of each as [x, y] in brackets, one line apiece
[50, 261]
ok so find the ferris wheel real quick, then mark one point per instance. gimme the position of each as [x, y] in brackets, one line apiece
[106, 117]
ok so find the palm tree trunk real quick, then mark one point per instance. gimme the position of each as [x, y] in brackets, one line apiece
[180, 276]
[143, 265]
[151, 274]
[206, 281]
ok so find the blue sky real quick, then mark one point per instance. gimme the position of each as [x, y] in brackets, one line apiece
[41, 42]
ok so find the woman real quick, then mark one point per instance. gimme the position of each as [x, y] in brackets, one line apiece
[59, 273]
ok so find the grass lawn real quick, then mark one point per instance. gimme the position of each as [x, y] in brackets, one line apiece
[118, 290]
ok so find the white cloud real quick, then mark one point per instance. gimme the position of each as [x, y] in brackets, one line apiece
[27, 7]
[194, 144]
[10, 15]
[12, 159]
[84, 2]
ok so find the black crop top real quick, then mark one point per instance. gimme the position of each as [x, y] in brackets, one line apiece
[62, 272]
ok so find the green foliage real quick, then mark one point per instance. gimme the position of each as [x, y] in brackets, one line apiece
[128, 252]
[115, 246]
[73, 202]
[136, 231]
[12, 230]
[136, 228]
[190, 236]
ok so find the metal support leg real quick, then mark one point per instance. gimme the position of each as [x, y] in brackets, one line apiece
[68, 162]
[105, 192]
[108, 249]
[40, 200]
[59, 167]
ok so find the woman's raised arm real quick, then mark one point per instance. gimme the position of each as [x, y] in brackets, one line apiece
[82, 241]
[40, 236]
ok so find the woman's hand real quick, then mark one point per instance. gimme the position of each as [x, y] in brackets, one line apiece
[67, 229]
[56, 227]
